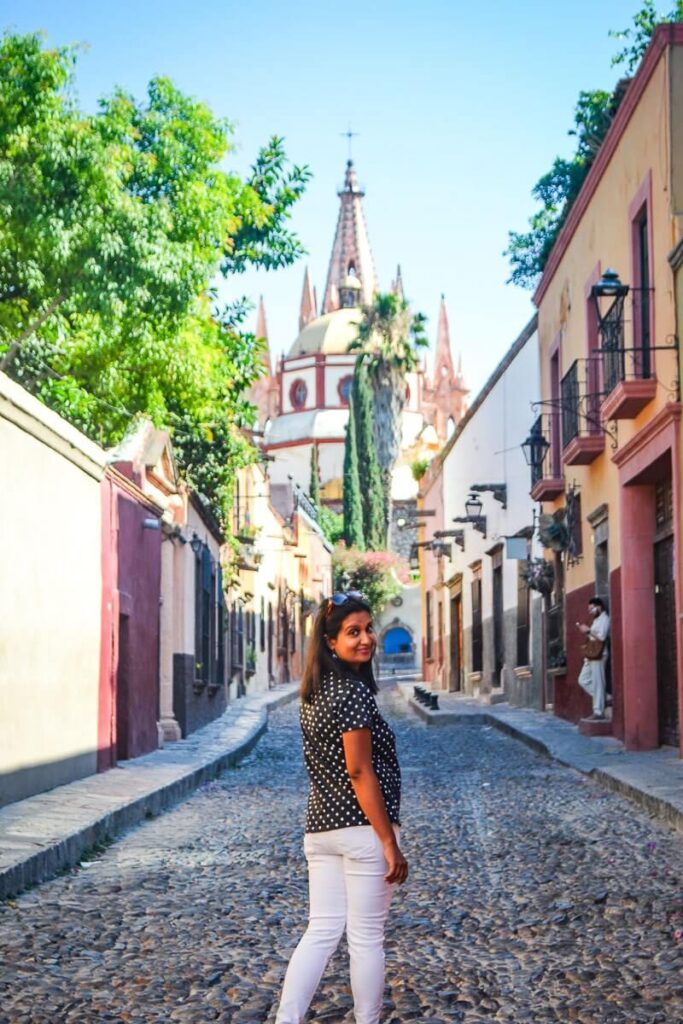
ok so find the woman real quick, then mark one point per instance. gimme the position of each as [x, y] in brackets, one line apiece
[352, 819]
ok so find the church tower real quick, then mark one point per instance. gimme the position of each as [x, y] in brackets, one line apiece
[445, 397]
[312, 383]
[351, 254]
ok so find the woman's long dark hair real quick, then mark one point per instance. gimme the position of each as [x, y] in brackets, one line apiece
[319, 658]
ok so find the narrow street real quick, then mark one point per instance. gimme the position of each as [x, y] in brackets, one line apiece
[534, 896]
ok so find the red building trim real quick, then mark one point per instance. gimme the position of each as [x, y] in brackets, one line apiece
[637, 462]
[302, 441]
[665, 35]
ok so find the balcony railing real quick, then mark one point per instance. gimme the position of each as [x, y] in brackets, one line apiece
[546, 477]
[627, 355]
[580, 396]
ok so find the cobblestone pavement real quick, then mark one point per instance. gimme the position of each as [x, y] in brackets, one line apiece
[534, 896]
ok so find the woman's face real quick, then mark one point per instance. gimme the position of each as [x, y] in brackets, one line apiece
[355, 641]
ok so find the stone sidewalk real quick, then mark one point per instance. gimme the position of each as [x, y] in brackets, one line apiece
[50, 832]
[652, 779]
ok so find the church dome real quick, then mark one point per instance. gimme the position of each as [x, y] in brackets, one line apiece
[331, 334]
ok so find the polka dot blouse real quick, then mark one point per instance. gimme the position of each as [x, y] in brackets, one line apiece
[342, 705]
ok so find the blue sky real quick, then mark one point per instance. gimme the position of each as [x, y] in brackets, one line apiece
[459, 107]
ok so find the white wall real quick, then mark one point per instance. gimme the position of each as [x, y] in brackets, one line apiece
[50, 597]
[487, 450]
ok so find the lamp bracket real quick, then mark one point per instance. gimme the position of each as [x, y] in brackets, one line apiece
[500, 491]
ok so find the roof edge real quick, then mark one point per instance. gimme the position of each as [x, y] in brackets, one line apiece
[664, 36]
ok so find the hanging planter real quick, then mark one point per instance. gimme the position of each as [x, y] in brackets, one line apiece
[539, 575]
[553, 532]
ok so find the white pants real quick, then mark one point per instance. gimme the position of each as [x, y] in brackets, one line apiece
[346, 869]
[592, 679]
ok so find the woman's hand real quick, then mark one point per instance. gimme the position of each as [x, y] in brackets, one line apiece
[396, 863]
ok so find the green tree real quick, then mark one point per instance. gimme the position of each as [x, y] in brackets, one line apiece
[377, 574]
[314, 485]
[557, 190]
[112, 228]
[353, 510]
[389, 339]
[372, 491]
[637, 38]
[331, 523]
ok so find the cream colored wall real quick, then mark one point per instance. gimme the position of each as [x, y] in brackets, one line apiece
[603, 237]
[50, 594]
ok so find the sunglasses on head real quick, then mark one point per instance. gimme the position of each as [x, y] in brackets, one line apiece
[337, 600]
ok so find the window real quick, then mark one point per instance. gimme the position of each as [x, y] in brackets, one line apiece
[477, 629]
[344, 389]
[207, 638]
[428, 625]
[574, 525]
[262, 625]
[522, 618]
[555, 414]
[641, 296]
[298, 393]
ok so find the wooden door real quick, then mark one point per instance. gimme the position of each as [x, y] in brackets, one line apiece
[123, 692]
[498, 625]
[455, 681]
[665, 629]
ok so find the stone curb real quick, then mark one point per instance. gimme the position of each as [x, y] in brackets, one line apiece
[655, 805]
[58, 853]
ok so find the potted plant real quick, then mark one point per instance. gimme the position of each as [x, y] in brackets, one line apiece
[539, 574]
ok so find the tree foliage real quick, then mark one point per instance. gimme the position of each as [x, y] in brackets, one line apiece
[372, 491]
[389, 339]
[314, 485]
[353, 510]
[637, 37]
[112, 229]
[557, 190]
[377, 574]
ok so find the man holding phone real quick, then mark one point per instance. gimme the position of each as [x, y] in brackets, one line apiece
[592, 675]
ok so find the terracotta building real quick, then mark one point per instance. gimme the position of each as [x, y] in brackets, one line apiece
[606, 443]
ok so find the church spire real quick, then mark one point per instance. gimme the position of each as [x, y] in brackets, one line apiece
[397, 284]
[262, 332]
[308, 308]
[443, 358]
[351, 253]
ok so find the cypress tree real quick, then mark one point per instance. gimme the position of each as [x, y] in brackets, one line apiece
[353, 510]
[314, 486]
[372, 491]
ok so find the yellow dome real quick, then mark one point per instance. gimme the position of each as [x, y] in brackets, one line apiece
[331, 334]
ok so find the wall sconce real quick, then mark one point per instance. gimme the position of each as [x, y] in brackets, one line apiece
[196, 544]
[457, 535]
[500, 491]
[473, 507]
[535, 448]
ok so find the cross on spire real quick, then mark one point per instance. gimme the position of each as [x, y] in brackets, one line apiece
[348, 134]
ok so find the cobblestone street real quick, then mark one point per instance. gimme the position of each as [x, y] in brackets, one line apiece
[534, 896]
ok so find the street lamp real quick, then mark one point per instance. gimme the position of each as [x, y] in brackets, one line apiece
[535, 448]
[608, 287]
[474, 507]
[196, 544]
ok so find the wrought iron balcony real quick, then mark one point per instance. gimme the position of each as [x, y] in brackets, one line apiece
[628, 356]
[542, 456]
[583, 438]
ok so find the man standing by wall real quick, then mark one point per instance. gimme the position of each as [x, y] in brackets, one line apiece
[592, 675]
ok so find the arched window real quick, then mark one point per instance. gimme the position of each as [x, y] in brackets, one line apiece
[298, 393]
[344, 389]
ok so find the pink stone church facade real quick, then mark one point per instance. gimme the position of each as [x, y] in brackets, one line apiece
[304, 402]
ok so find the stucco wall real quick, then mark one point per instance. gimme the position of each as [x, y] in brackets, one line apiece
[50, 598]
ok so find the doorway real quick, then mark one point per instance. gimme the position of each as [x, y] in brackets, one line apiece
[123, 692]
[498, 624]
[665, 617]
[455, 677]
